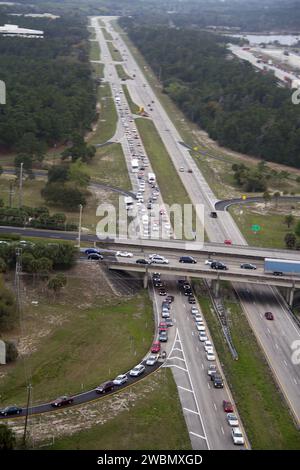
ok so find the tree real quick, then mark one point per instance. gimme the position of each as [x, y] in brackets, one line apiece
[11, 351]
[3, 265]
[8, 310]
[57, 283]
[289, 220]
[7, 438]
[58, 173]
[79, 149]
[290, 240]
[27, 164]
[79, 173]
[267, 197]
[66, 196]
[297, 229]
[276, 196]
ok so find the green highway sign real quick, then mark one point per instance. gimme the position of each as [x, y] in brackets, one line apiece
[255, 228]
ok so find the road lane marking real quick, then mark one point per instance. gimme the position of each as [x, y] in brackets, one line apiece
[202, 365]
[191, 411]
[222, 429]
[198, 435]
[186, 389]
[285, 362]
[175, 365]
[208, 385]
[176, 357]
[215, 406]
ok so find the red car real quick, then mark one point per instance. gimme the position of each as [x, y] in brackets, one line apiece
[62, 401]
[269, 316]
[155, 348]
[227, 406]
[228, 242]
[162, 326]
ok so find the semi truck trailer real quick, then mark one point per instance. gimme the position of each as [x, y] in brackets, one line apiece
[280, 267]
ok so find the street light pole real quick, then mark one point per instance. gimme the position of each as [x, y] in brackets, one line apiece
[21, 187]
[79, 226]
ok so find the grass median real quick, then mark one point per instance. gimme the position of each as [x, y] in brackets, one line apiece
[134, 108]
[121, 72]
[115, 54]
[263, 410]
[107, 121]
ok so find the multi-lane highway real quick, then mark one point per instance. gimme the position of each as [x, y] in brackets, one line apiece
[279, 357]
[217, 435]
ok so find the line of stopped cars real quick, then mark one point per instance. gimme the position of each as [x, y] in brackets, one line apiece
[212, 370]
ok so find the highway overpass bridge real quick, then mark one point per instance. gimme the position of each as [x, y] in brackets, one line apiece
[200, 270]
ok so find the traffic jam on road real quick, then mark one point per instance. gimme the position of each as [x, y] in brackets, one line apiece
[184, 287]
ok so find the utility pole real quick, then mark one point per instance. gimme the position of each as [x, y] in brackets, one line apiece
[27, 413]
[21, 187]
[79, 226]
[10, 193]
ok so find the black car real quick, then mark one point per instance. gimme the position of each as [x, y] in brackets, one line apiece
[191, 300]
[169, 321]
[157, 283]
[90, 251]
[10, 410]
[95, 257]
[218, 265]
[214, 215]
[218, 381]
[142, 261]
[187, 259]
[105, 387]
[248, 266]
[163, 336]
[188, 293]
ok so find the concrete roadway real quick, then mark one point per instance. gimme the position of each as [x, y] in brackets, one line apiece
[201, 402]
[218, 230]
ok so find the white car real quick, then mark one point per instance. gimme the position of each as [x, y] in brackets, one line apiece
[202, 337]
[120, 380]
[151, 360]
[237, 437]
[201, 328]
[157, 259]
[209, 349]
[232, 420]
[124, 254]
[194, 310]
[208, 343]
[137, 370]
[210, 356]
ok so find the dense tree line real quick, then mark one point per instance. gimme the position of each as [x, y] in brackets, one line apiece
[49, 90]
[239, 107]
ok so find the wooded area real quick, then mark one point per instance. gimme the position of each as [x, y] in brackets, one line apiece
[239, 107]
[50, 92]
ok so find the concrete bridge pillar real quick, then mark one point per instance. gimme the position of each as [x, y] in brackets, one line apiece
[215, 284]
[145, 280]
[290, 296]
